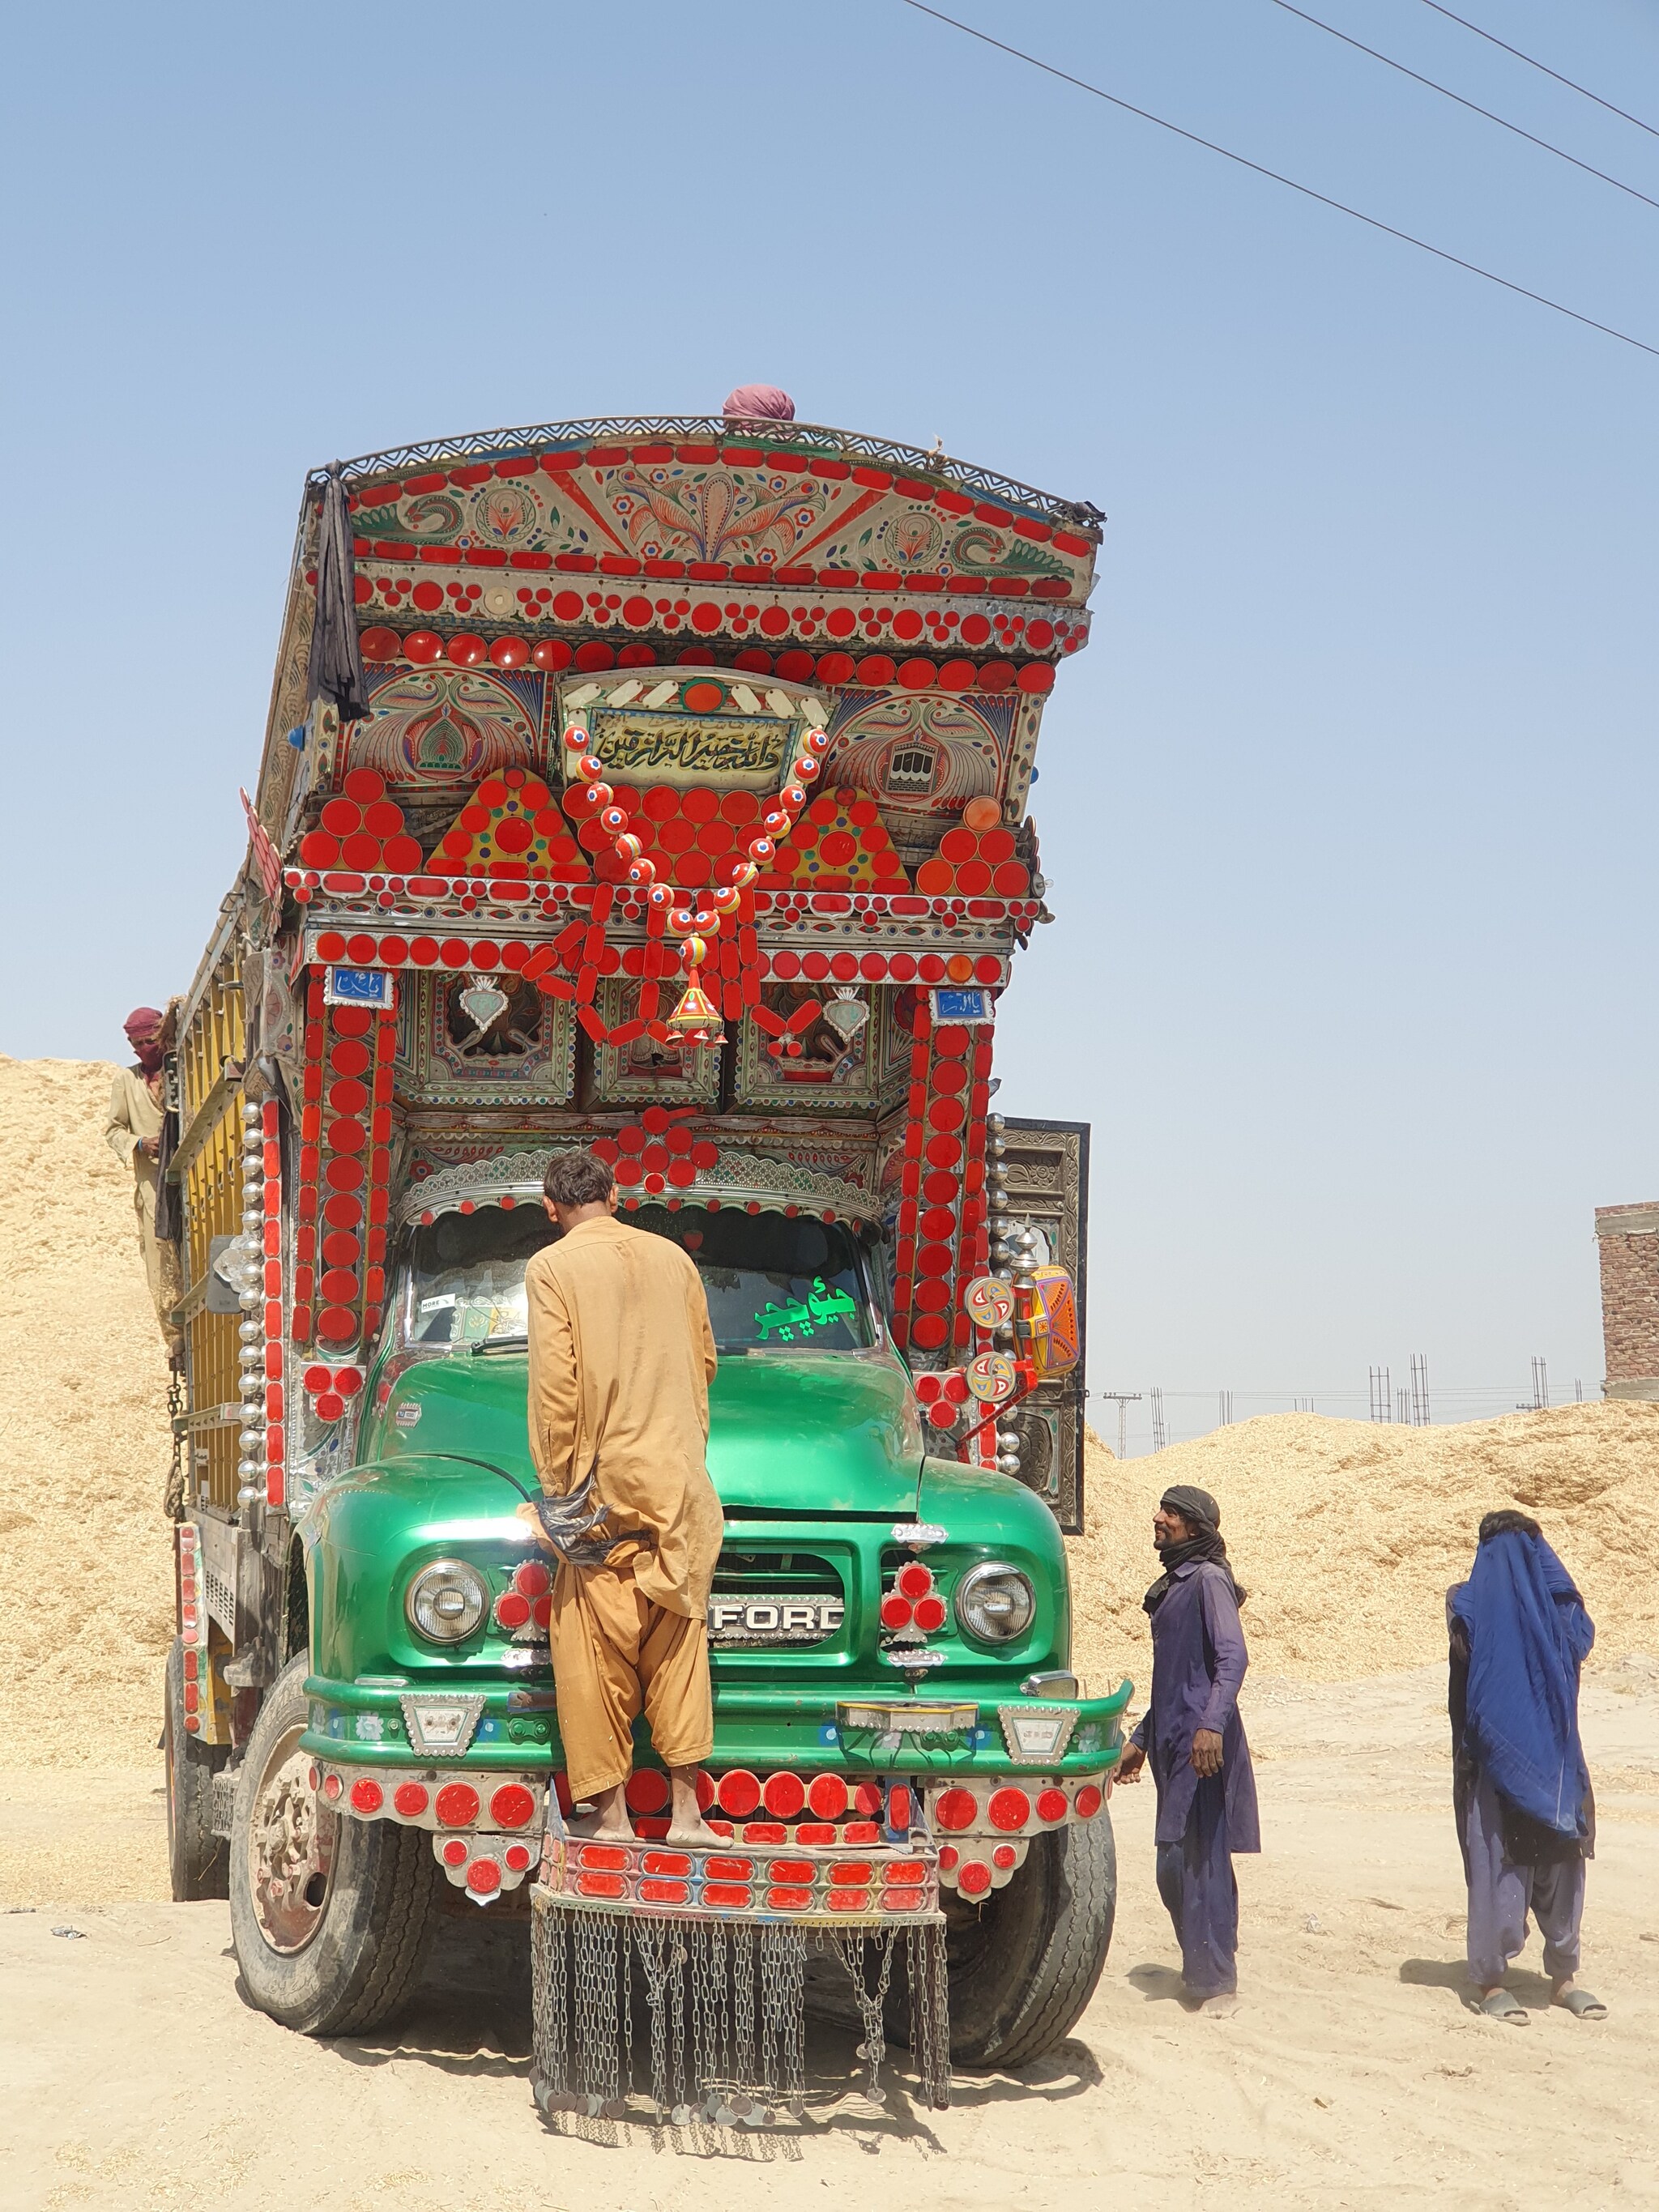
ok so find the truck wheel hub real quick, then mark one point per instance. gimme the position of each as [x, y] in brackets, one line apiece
[291, 1841]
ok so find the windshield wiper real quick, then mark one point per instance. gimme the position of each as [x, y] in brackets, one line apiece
[501, 1343]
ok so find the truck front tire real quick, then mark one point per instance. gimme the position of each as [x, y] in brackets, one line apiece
[329, 1916]
[1024, 1966]
[198, 1860]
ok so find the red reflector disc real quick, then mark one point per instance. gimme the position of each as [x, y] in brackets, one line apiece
[955, 1809]
[1087, 1802]
[973, 1878]
[454, 1852]
[827, 1795]
[512, 1609]
[484, 1876]
[895, 1611]
[532, 1579]
[1051, 1805]
[1004, 1856]
[647, 1789]
[410, 1799]
[913, 1579]
[784, 1796]
[1009, 1809]
[740, 1793]
[930, 1614]
[458, 1805]
[366, 1797]
[518, 1857]
[511, 1806]
[332, 1785]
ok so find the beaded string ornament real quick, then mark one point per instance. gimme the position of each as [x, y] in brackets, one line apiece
[694, 1019]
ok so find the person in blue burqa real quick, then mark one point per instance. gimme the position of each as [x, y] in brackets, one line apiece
[1192, 1734]
[1526, 1818]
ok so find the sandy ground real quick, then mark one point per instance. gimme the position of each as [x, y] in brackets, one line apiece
[1351, 2074]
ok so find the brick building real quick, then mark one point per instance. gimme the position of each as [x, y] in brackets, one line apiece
[1628, 1236]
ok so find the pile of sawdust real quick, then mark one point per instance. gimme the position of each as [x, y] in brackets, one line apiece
[1347, 1534]
[86, 1582]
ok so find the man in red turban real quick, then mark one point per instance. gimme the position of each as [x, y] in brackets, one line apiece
[133, 1133]
[759, 402]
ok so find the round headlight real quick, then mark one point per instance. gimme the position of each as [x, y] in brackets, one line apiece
[995, 1604]
[447, 1600]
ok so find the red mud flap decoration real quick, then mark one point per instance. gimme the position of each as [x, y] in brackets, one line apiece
[720, 1940]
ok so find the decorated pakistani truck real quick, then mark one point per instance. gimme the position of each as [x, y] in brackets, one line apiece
[659, 787]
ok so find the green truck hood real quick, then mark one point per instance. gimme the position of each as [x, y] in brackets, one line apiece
[812, 1432]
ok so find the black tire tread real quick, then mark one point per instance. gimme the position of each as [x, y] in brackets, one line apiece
[1075, 1957]
[198, 1860]
[404, 1891]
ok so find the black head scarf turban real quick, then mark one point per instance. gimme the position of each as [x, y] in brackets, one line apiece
[1200, 1511]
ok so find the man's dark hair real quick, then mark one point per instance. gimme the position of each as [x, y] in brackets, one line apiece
[577, 1179]
[1507, 1522]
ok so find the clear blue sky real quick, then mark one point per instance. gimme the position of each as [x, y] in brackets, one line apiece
[1349, 809]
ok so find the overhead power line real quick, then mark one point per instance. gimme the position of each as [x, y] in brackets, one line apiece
[1277, 177]
[1531, 62]
[1473, 107]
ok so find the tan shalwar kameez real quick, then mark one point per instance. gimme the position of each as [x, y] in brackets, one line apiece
[134, 1117]
[621, 1359]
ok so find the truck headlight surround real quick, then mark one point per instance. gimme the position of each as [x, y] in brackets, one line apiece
[447, 1600]
[995, 1602]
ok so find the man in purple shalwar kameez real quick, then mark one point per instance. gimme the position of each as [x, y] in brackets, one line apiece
[1193, 1736]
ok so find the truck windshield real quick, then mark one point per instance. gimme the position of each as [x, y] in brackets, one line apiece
[773, 1282]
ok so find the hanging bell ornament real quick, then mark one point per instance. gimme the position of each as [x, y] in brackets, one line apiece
[643, 871]
[761, 849]
[694, 952]
[793, 797]
[726, 901]
[816, 741]
[696, 1019]
[806, 768]
[613, 820]
[576, 739]
[743, 875]
[628, 847]
[774, 821]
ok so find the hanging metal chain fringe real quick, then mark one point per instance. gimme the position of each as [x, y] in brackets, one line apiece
[172, 1501]
[726, 2009]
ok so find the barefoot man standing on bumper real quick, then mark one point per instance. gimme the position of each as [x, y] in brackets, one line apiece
[621, 1359]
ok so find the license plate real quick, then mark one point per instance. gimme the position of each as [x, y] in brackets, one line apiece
[764, 1619]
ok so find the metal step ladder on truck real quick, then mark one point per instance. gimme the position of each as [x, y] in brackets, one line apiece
[656, 786]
